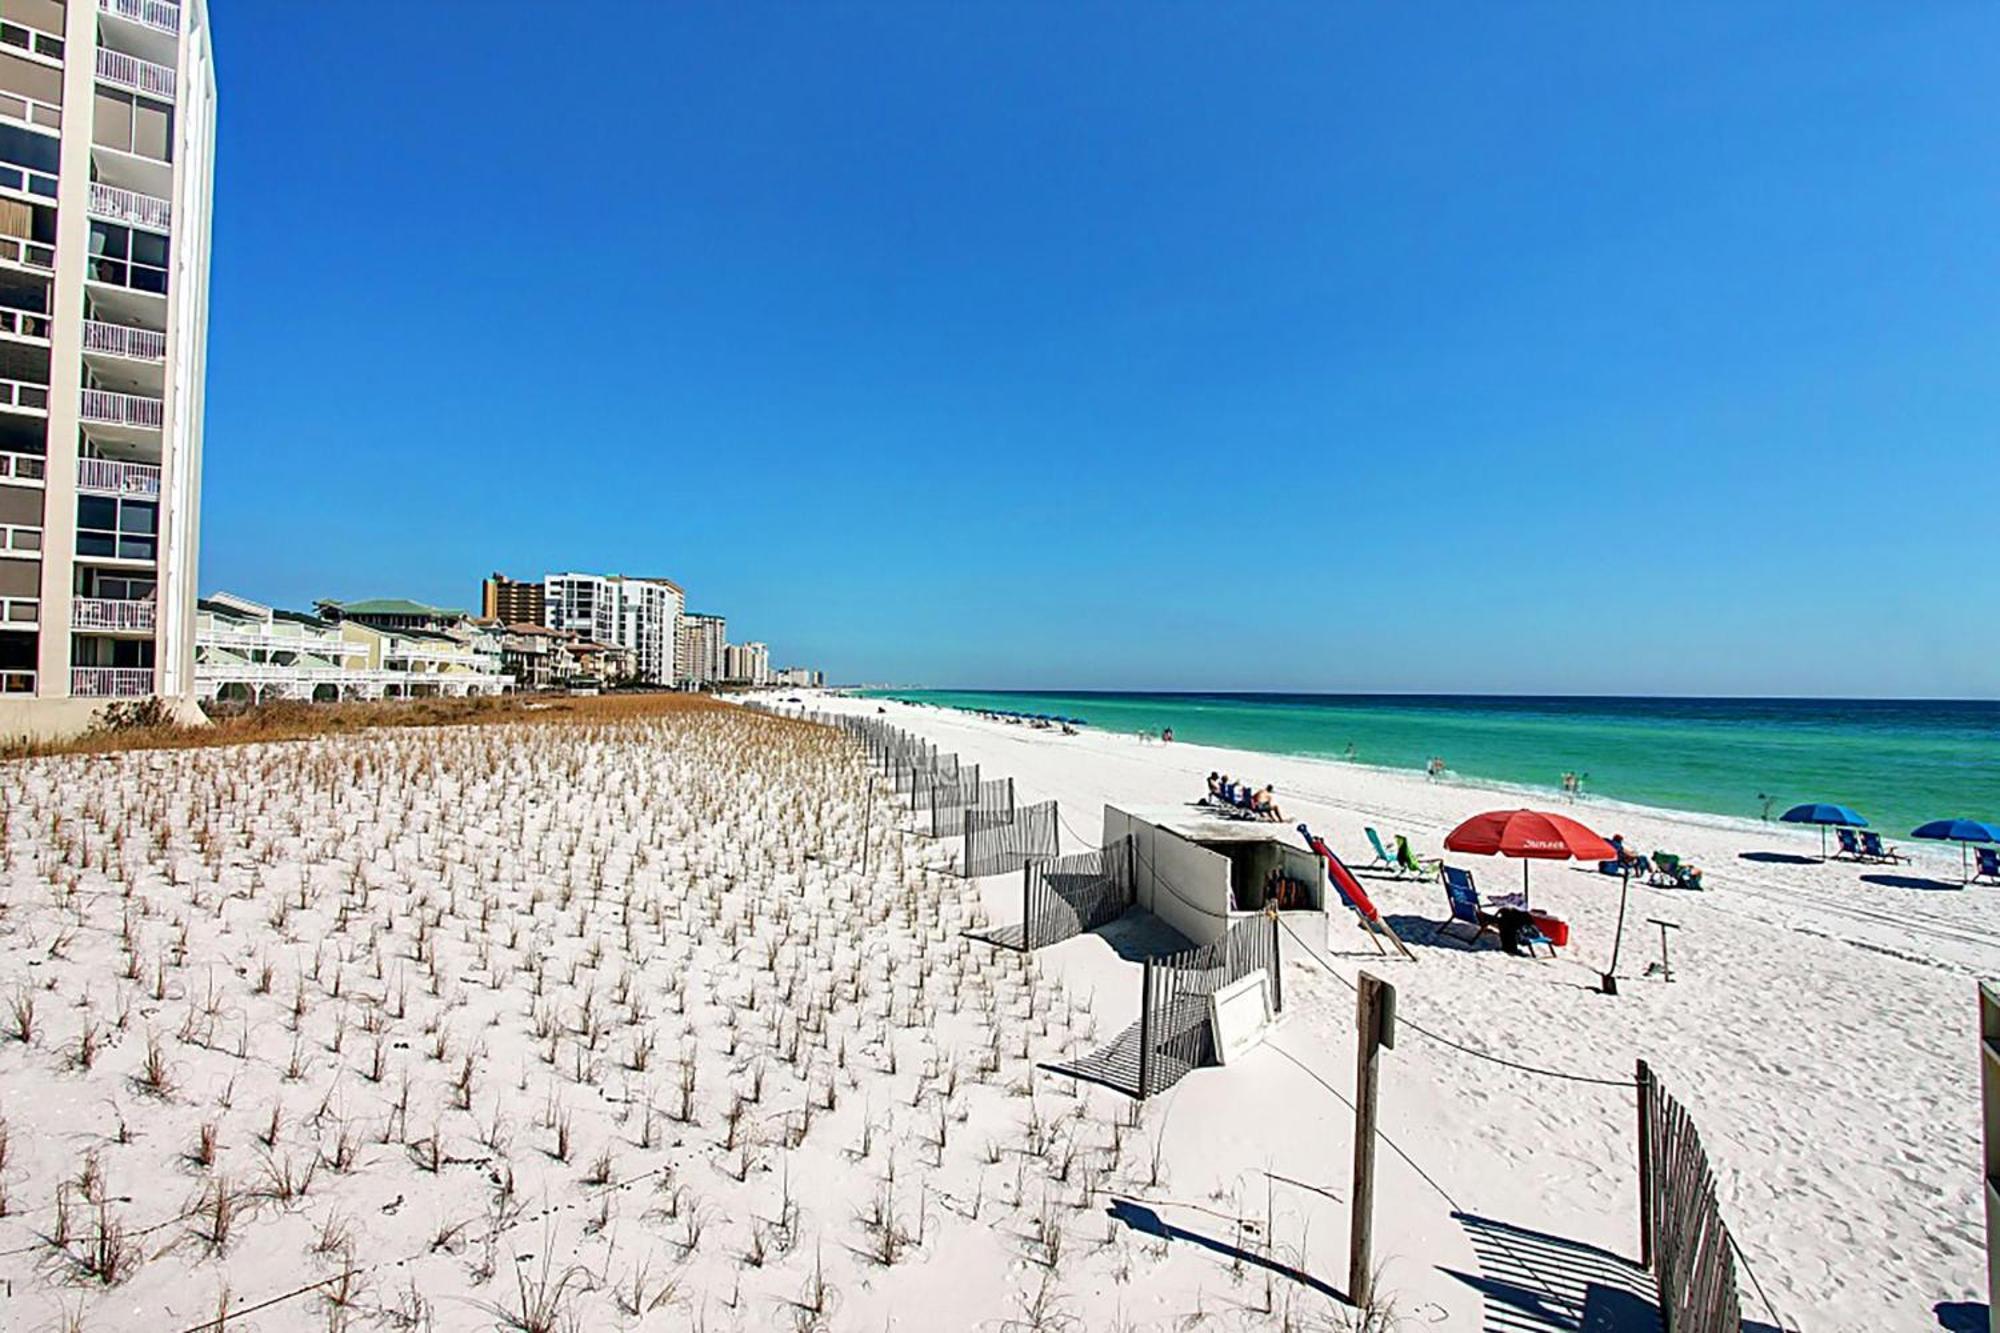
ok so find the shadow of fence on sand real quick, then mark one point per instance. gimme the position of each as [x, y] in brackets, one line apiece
[1534, 1282]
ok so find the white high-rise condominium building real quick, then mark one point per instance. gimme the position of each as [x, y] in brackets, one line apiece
[704, 639]
[107, 135]
[749, 663]
[643, 615]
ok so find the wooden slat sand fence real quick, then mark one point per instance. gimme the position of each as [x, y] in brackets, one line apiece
[1682, 1237]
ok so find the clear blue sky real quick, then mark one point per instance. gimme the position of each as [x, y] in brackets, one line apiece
[1585, 347]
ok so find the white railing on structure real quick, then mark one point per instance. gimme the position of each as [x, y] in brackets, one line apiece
[213, 677]
[161, 14]
[122, 409]
[278, 643]
[107, 474]
[24, 324]
[123, 340]
[32, 469]
[17, 682]
[111, 613]
[21, 610]
[131, 72]
[108, 201]
[28, 254]
[110, 682]
[19, 393]
[20, 539]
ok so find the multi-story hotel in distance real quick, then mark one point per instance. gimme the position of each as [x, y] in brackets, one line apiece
[107, 134]
[640, 615]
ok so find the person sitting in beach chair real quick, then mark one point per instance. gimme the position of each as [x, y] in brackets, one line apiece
[1627, 862]
[1670, 872]
[1507, 915]
[1850, 846]
[1265, 804]
[1874, 849]
[1986, 864]
[1409, 862]
[1214, 786]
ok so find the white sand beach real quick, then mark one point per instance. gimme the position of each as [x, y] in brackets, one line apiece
[606, 1026]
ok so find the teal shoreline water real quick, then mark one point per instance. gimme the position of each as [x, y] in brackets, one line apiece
[1898, 762]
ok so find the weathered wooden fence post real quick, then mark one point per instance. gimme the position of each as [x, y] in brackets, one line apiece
[1277, 967]
[1146, 1030]
[1027, 908]
[1645, 1081]
[867, 822]
[1989, 1098]
[1374, 1012]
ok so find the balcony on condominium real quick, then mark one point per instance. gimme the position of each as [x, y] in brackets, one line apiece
[135, 74]
[130, 411]
[121, 340]
[112, 476]
[113, 615]
[149, 28]
[125, 359]
[102, 682]
[121, 205]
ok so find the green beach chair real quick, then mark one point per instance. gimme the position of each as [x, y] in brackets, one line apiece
[1407, 861]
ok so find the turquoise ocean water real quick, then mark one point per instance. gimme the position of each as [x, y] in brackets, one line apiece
[1898, 762]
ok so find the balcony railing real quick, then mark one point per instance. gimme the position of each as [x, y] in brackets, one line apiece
[25, 324]
[20, 539]
[17, 682]
[160, 14]
[110, 613]
[108, 201]
[131, 72]
[28, 254]
[123, 340]
[16, 612]
[121, 409]
[319, 645]
[31, 469]
[19, 393]
[110, 682]
[105, 474]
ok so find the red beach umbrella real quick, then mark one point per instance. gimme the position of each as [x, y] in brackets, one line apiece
[1537, 835]
[1532, 834]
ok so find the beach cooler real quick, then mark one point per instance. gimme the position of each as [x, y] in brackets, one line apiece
[1556, 929]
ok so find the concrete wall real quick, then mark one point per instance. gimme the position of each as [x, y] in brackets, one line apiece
[59, 719]
[1185, 885]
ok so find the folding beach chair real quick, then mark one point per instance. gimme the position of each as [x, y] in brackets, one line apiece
[1874, 849]
[1986, 864]
[1408, 862]
[1670, 872]
[1383, 856]
[1472, 916]
[1850, 848]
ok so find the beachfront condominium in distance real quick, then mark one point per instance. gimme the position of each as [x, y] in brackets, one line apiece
[748, 664]
[638, 614]
[511, 601]
[703, 642]
[107, 132]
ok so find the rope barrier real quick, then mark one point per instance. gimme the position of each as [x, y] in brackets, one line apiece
[1402, 1022]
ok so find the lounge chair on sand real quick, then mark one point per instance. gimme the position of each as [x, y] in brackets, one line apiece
[1986, 864]
[1383, 856]
[1873, 849]
[1850, 847]
[1408, 862]
[1472, 916]
[1671, 873]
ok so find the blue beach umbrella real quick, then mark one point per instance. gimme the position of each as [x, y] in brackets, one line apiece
[1960, 831]
[1823, 814]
